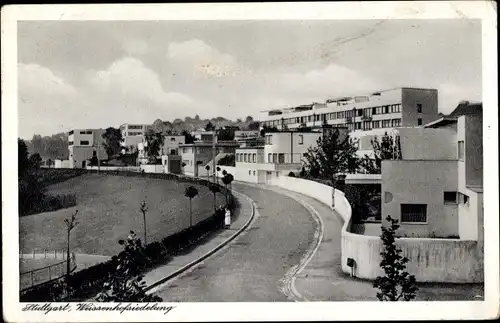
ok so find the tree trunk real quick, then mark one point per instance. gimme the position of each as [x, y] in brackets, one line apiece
[67, 258]
[144, 219]
[190, 219]
[215, 203]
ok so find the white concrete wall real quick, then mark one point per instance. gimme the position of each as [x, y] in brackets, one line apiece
[288, 143]
[115, 168]
[421, 182]
[431, 260]
[152, 168]
[428, 143]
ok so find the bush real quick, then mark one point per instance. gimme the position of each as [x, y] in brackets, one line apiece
[88, 282]
[228, 160]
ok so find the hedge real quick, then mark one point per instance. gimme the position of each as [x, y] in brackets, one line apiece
[88, 282]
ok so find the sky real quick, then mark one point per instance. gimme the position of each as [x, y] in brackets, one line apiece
[96, 74]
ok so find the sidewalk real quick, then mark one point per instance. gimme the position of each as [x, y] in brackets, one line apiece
[239, 220]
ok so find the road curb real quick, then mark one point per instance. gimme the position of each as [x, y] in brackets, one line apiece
[211, 252]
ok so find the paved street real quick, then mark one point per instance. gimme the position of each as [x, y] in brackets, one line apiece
[251, 267]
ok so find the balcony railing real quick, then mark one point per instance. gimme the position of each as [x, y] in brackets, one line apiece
[366, 118]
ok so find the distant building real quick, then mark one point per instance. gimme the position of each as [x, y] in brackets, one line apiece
[365, 117]
[282, 154]
[133, 134]
[436, 190]
[203, 135]
[82, 144]
[171, 145]
[200, 154]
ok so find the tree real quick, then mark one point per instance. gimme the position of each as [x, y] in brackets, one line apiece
[35, 161]
[215, 189]
[154, 142]
[126, 283]
[227, 179]
[22, 158]
[144, 209]
[37, 144]
[189, 138]
[71, 223]
[397, 283]
[209, 126]
[228, 160]
[190, 193]
[112, 141]
[249, 119]
[217, 177]
[225, 134]
[208, 171]
[331, 155]
[254, 125]
[388, 148]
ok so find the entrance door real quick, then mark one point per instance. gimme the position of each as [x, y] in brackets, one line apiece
[268, 177]
[83, 164]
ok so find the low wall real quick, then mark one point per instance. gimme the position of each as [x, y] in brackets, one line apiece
[157, 169]
[431, 260]
[114, 168]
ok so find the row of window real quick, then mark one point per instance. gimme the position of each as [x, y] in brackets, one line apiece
[135, 127]
[269, 139]
[366, 112]
[88, 132]
[246, 158]
[82, 143]
[135, 133]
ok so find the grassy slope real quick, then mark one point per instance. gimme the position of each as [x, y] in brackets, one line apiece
[108, 207]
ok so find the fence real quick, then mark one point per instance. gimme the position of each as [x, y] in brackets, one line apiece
[43, 275]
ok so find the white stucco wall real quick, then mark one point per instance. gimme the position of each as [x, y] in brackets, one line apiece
[421, 182]
[428, 143]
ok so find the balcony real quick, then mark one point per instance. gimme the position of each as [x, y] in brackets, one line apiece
[349, 119]
[366, 118]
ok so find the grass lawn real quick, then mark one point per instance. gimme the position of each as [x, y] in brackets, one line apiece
[108, 207]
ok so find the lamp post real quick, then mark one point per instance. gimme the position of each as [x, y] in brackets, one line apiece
[144, 208]
[214, 152]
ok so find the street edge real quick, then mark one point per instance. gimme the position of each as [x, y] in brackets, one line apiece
[291, 275]
[211, 252]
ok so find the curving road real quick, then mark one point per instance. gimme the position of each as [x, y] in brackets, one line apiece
[252, 267]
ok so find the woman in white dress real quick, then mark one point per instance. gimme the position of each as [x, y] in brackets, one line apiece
[227, 219]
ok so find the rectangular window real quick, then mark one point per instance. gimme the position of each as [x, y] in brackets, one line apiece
[386, 109]
[172, 139]
[419, 121]
[396, 122]
[413, 213]
[237, 157]
[82, 132]
[269, 158]
[333, 116]
[71, 132]
[374, 110]
[376, 124]
[254, 158]
[461, 151]
[360, 112]
[450, 197]
[275, 157]
[419, 108]
[367, 125]
[245, 158]
[249, 172]
[301, 139]
[253, 173]
[70, 143]
[281, 158]
[84, 142]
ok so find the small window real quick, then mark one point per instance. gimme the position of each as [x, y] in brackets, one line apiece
[461, 147]
[281, 158]
[413, 213]
[172, 139]
[450, 197]
[254, 157]
[269, 158]
[253, 173]
[84, 142]
[464, 199]
[301, 139]
[275, 157]
[249, 172]
[83, 132]
[419, 108]
[419, 121]
[70, 143]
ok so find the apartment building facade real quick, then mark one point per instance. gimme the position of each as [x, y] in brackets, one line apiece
[195, 156]
[82, 144]
[380, 111]
[436, 189]
[133, 134]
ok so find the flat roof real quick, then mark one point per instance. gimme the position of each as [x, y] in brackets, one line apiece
[440, 122]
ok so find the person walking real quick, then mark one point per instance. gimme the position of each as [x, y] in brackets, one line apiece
[227, 219]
